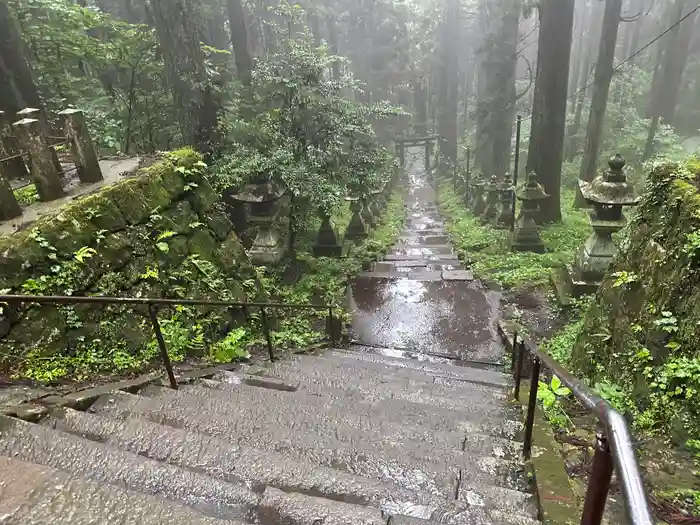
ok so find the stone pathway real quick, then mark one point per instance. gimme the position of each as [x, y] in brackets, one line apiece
[419, 298]
[359, 436]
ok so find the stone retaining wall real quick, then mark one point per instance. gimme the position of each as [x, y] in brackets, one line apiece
[158, 233]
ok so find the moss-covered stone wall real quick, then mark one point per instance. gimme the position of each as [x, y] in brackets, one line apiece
[159, 233]
[641, 337]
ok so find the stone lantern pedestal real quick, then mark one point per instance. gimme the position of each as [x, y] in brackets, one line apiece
[478, 204]
[505, 199]
[607, 194]
[492, 200]
[357, 229]
[526, 237]
[263, 198]
[329, 243]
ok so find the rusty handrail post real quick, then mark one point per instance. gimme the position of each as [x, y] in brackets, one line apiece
[598, 483]
[512, 354]
[519, 369]
[153, 314]
[331, 328]
[531, 407]
[266, 330]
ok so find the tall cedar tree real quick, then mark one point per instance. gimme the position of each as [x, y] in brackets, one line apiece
[549, 110]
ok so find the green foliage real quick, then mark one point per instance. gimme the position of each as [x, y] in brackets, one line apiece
[551, 395]
[110, 69]
[231, 348]
[487, 247]
[27, 195]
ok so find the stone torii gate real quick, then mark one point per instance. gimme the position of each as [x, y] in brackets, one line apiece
[428, 142]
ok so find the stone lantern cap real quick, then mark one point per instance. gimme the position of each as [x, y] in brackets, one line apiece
[478, 180]
[531, 190]
[261, 192]
[505, 183]
[612, 187]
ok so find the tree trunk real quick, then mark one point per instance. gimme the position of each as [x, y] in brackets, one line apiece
[19, 90]
[177, 26]
[579, 99]
[420, 106]
[601, 89]
[449, 83]
[675, 63]
[333, 45]
[496, 85]
[549, 112]
[239, 41]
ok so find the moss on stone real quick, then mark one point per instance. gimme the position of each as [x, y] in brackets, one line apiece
[102, 212]
[203, 244]
[217, 220]
[656, 311]
[231, 254]
[19, 254]
[129, 200]
[203, 197]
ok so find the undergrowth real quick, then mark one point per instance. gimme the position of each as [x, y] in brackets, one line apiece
[323, 280]
[488, 250]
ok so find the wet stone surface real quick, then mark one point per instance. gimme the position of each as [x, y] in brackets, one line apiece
[420, 298]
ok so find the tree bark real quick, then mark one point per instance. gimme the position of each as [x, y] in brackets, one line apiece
[675, 63]
[420, 106]
[19, 90]
[546, 149]
[177, 26]
[448, 94]
[239, 41]
[496, 85]
[601, 90]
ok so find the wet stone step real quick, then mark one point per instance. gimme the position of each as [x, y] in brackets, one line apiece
[425, 240]
[384, 380]
[414, 257]
[303, 413]
[424, 276]
[296, 509]
[257, 468]
[425, 366]
[99, 462]
[409, 419]
[407, 466]
[403, 249]
[39, 495]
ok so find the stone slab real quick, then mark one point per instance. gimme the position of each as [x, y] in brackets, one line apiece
[457, 275]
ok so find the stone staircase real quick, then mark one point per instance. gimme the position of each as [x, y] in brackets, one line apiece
[370, 435]
[350, 437]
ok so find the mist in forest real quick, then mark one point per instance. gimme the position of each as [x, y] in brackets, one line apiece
[589, 78]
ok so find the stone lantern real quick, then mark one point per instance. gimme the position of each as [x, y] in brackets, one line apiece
[478, 205]
[492, 200]
[263, 197]
[607, 194]
[329, 243]
[505, 198]
[357, 229]
[526, 237]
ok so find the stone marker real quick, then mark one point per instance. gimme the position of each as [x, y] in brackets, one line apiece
[478, 204]
[13, 168]
[492, 200]
[43, 170]
[81, 145]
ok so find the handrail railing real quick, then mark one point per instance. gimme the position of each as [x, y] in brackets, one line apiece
[614, 445]
[154, 302]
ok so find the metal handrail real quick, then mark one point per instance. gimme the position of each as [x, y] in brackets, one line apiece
[614, 444]
[154, 302]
